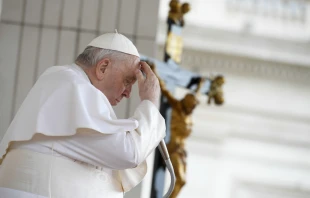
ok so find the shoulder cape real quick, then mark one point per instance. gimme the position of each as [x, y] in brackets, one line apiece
[60, 103]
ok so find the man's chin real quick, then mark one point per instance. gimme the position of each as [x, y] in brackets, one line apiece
[113, 103]
[116, 102]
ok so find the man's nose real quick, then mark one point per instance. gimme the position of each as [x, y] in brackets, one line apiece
[127, 92]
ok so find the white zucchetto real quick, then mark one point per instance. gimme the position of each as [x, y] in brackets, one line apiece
[115, 41]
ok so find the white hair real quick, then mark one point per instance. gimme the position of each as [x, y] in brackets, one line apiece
[92, 55]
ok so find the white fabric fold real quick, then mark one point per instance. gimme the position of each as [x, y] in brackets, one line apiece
[63, 103]
[144, 142]
[55, 177]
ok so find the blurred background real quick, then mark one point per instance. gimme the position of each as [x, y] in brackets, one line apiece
[257, 144]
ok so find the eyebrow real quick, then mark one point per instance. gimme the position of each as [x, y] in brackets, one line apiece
[131, 78]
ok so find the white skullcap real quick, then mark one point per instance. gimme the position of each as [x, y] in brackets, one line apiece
[115, 41]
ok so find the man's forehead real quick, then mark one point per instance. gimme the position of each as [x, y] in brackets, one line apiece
[132, 74]
[136, 63]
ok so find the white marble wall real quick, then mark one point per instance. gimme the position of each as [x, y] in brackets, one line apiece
[0, 8]
[37, 34]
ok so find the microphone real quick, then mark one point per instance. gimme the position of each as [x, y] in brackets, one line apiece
[165, 155]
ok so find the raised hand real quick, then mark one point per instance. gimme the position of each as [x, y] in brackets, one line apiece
[148, 84]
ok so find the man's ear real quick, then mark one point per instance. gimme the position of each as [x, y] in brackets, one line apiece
[101, 68]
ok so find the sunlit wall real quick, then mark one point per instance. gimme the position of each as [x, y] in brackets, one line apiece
[257, 143]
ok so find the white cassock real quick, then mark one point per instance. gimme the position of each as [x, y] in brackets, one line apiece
[66, 141]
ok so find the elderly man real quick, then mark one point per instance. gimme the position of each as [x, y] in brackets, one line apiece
[66, 141]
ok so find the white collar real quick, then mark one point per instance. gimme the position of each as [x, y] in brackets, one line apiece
[80, 71]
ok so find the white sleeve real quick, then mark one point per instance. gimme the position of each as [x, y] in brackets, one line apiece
[151, 130]
[121, 150]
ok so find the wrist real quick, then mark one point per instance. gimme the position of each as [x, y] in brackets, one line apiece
[156, 103]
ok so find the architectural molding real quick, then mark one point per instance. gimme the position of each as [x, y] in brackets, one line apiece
[253, 124]
[206, 62]
[283, 50]
[251, 189]
[219, 151]
[280, 10]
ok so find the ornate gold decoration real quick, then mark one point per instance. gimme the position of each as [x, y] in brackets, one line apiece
[174, 41]
[174, 46]
[180, 127]
[177, 11]
[216, 92]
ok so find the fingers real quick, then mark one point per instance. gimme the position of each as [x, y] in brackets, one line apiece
[148, 84]
[146, 68]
